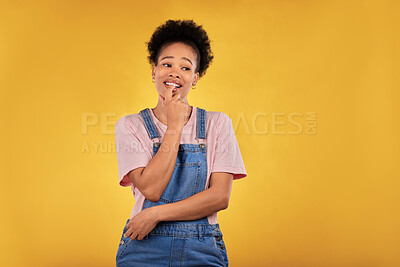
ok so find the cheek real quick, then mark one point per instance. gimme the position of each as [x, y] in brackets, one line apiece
[160, 88]
[159, 72]
[188, 77]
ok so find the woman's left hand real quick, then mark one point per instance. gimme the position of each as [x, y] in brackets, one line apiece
[141, 224]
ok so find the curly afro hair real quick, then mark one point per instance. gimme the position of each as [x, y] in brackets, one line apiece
[187, 32]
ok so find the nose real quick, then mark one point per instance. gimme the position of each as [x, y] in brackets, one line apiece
[173, 74]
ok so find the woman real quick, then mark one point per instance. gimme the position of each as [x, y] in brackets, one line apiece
[179, 160]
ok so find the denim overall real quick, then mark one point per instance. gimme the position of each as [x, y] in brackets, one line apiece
[178, 243]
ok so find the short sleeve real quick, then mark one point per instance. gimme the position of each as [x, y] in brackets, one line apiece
[130, 151]
[227, 153]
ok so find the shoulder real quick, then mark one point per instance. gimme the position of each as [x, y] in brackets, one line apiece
[217, 117]
[129, 122]
[218, 122]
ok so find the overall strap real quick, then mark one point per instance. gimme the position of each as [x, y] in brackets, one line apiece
[201, 123]
[150, 126]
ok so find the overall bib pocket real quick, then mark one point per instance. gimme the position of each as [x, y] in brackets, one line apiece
[185, 176]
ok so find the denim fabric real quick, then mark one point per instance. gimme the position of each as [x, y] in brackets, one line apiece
[174, 245]
[178, 243]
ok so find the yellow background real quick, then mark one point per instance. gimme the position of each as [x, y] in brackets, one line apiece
[329, 198]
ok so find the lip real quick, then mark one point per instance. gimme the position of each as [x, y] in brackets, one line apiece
[173, 89]
[172, 81]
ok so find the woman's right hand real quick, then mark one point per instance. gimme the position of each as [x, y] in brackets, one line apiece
[175, 109]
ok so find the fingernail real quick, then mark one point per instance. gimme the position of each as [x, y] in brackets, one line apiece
[124, 236]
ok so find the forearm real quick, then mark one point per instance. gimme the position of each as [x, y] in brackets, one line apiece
[194, 207]
[158, 171]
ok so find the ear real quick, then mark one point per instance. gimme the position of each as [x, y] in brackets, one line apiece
[196, 78]
[153, 71]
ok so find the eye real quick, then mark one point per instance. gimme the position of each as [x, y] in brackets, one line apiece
[167, 65]
[186, 68]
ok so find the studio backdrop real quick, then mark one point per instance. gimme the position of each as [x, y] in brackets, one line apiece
[312, 88]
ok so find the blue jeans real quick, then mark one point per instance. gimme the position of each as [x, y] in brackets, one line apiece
[174, 245]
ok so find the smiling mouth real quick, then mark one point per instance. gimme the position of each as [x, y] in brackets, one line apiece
[174, 84]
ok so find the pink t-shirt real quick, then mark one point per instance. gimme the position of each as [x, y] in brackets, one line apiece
[135, 148]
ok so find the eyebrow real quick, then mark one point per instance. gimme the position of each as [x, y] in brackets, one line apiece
[182, 58]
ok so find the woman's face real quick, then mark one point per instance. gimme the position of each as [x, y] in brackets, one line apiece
[176, 64]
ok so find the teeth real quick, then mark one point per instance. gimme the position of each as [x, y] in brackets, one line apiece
[174, 84]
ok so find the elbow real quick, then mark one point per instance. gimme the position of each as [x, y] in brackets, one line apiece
[224, 203]
[149, 192]
[151, 196]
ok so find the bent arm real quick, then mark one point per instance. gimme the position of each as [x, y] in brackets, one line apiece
[199, 205]
[153, 179]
